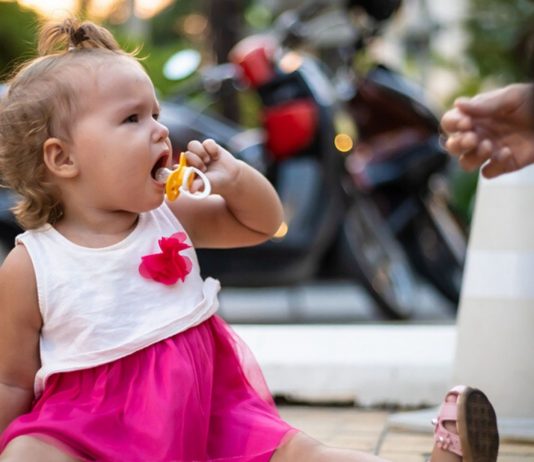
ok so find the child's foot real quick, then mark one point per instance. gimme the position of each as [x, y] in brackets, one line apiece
[466, 428]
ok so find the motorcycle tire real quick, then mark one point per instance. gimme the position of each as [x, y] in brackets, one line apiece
[436, 248]
[368, 250]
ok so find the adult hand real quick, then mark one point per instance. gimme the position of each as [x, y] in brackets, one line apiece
[494, 129]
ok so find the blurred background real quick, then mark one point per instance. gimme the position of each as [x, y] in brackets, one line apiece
[338, 104]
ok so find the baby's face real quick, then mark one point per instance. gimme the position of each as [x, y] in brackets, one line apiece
[117, 139]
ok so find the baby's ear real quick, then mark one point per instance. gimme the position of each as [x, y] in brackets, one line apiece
[58, 160]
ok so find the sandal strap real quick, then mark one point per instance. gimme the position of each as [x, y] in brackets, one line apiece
[447, 441]
[448, 412]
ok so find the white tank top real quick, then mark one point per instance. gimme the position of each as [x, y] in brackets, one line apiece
[95, 305]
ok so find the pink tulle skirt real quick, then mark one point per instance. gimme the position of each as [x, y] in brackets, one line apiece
[197, 396]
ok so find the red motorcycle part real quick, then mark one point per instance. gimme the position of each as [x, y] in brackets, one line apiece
[254, 56]
[290, 127]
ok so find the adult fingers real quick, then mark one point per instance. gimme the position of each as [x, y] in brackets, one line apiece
[461, 143]
[470, 161]
[455, 121]
[475, 158]
[485, 104]
[501, 162]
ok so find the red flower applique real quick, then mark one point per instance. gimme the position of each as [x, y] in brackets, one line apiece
[168, 266]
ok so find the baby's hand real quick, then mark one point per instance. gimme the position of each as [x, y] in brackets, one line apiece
[221, 168]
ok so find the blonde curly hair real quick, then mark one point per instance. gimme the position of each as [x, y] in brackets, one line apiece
[42, 102]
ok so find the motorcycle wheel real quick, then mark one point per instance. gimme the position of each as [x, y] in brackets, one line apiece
[436, 246]
[369, 250]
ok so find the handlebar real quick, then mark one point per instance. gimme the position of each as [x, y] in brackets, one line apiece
[328, 24]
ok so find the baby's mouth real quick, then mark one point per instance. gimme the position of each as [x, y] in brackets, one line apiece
[161, 163]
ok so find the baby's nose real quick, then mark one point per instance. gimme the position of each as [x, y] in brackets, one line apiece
[161, 132]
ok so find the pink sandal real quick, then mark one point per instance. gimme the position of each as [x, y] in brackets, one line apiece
[478, 438]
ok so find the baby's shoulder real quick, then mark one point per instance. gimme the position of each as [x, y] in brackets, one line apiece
[18, 288]
[17, 263]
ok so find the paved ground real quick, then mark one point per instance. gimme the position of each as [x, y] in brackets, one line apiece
[366, 431]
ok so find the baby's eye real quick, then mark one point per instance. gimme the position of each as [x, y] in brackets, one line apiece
[156, 116]
[132, 118]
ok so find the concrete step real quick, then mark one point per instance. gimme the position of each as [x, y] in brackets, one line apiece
[368, 365]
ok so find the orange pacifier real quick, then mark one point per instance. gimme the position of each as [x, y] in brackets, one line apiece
[180, 179]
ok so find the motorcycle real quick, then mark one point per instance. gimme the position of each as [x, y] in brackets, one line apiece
[300, 148]
[408, 182]
[398, 162]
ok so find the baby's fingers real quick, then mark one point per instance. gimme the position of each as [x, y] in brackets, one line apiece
[193, 160]
[196, 148]
[212, 148]
[197, 185]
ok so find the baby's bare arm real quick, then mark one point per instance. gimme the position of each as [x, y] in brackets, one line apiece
[20, 324]
[244, 209]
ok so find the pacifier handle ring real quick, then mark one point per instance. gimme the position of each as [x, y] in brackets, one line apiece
[188, 171]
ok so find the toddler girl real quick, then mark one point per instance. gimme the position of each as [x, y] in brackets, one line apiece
[110, 349]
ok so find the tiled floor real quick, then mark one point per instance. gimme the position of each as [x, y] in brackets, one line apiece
[366, 431]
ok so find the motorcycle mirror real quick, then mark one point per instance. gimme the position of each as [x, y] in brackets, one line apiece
[181, 64]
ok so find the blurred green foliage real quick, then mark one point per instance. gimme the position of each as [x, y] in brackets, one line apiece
[17, 36]
[501, 38]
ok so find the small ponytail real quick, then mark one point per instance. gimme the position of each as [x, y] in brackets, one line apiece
[71, 35]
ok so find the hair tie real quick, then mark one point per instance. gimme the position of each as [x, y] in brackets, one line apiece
[78, 36]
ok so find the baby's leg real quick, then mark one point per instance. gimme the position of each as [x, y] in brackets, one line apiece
[302, 448]
[31, 448]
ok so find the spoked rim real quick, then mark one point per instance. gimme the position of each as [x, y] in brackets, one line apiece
[370, 249]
